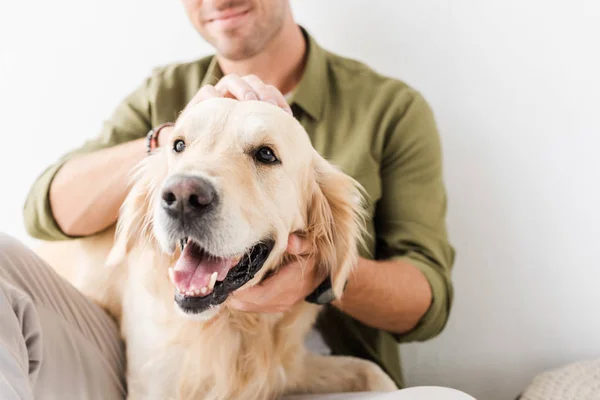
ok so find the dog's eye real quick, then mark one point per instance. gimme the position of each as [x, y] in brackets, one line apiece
[179, 146]
[266, 155]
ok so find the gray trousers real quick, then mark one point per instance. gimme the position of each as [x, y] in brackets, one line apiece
[56, 344]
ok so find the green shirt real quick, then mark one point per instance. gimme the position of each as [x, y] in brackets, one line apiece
[375, 128]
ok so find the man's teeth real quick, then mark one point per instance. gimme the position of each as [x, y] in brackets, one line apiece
[213, 280]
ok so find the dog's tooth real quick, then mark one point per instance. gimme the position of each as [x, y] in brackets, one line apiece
[204, 290]
[172, 275]
[213, 280]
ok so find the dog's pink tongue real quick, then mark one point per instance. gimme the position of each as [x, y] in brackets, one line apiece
[192, 272]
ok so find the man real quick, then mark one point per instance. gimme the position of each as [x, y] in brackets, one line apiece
[375, 128]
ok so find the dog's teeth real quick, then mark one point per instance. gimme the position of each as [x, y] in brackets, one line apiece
[197, 292]
[172, 275]
[204, 290]
[182, 243]
[213, 280]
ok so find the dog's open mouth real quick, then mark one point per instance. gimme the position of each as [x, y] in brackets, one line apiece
[202, 280]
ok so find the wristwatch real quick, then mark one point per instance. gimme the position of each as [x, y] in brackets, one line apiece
[152, 136]
[323, 294]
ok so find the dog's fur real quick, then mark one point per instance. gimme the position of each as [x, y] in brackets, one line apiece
[226, 354]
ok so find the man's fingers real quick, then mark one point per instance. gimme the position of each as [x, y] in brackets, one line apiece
[252, 299]
[241, 305]
[279, 98]
[249, 307]
[260, 88]
[206, 92]
[298, 245]
[234, 86]
[268, 93]
[250, 87]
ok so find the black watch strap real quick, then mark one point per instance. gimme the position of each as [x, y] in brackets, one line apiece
[323, 294]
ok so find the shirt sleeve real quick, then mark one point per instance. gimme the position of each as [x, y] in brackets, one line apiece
[130, 120]
[410, 215]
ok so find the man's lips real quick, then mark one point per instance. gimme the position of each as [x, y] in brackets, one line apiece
[228, 17]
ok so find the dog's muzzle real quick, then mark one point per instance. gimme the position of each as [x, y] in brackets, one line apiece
[237, 276]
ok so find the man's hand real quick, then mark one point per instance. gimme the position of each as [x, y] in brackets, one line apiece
[248, 87]
[286, 288]
[165, 136]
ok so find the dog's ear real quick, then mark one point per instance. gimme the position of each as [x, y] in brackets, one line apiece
[135, 215]
[335, 222]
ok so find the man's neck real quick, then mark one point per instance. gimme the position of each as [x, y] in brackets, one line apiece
[280, 64]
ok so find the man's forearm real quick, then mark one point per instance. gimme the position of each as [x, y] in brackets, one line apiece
[87, 192]
[390, 295]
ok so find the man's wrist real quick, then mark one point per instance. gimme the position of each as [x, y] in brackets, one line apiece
[152, 138]
[353, 286]
[323, 293]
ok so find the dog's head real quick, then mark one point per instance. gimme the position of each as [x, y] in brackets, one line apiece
[223, 196]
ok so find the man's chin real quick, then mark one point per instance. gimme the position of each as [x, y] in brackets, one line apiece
[235, 46]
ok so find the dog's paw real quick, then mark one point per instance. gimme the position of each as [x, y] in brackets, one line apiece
[373, 379]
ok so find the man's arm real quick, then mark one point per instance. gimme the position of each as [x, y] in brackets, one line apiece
[407, 290]
[81, 194]
[390, 295]
[87, 192]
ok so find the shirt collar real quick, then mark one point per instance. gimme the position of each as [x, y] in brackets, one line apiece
[213, 73]
[310, 93]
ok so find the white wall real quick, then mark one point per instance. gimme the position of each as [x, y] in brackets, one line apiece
[515, 86]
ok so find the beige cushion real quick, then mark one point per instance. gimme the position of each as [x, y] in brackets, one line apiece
[575, 381]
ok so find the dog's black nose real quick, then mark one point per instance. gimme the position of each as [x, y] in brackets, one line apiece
[188, 195]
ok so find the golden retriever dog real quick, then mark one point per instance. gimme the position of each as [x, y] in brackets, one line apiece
[208, 215]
